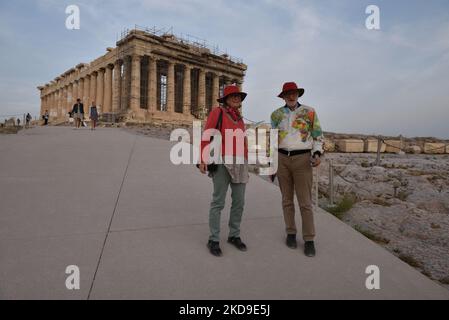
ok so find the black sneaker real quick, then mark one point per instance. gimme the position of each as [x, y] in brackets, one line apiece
[309, 249]
[237, 242]
[214, 248]
[291, 241]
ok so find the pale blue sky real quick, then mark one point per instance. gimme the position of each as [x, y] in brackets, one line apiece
[393, 81]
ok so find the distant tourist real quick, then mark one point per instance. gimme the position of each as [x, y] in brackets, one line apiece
[300, 148]
[93, 116]
[28, 119]
[46, 117]
[18, 122]
[71, 121]
[78, 113]
[235, 175]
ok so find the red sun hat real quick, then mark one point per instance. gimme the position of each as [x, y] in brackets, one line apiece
[291, 86]
[233, 89]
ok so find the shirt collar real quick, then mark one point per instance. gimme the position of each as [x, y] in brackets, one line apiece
[298, 105]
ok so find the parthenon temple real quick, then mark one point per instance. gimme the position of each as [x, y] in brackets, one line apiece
[148, 76]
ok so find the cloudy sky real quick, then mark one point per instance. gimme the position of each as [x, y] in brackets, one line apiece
[392, 81]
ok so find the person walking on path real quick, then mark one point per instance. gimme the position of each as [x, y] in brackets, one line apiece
[234, 171]
[78, 113]
[300, 148]
[28, 119]
[93, 116]
[46, 117]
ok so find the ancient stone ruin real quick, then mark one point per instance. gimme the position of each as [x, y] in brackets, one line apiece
[148, 76]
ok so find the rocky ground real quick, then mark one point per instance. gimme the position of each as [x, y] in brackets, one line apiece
[403, 204]
[161, 131]
[9, 130]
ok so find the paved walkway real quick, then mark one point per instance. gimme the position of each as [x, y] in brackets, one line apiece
[112, 203]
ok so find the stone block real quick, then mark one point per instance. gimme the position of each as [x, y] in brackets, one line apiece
[372, 144]
[393, 146]
[434, 148]
[413, 149]
[350, 145]
[329, 145]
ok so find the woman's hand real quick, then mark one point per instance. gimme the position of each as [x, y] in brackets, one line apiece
[203, 168]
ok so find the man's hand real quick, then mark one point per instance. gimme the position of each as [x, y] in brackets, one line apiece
[315, 161]
[203, 168]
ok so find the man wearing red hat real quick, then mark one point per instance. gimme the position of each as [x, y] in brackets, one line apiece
[300, 148]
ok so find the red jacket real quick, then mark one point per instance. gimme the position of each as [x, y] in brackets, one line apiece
[227, 123]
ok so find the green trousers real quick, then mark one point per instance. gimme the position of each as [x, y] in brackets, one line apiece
[222, 180]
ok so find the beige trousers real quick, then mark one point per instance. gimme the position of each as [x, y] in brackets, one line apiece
[295, 175]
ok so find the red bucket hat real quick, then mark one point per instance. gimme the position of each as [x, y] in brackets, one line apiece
[291, 86]
[231, 90]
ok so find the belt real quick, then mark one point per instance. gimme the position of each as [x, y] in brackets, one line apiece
[294, 152]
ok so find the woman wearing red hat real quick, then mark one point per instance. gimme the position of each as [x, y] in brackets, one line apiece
[233, 172]
[300, 147]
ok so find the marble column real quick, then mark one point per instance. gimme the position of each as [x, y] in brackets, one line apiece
[202, 89]
[100, 88]
[152, 85]
[68, 106]
[75, 91]
[186, 108]
[93, 87]
[81, 91]
[42, 104]
[135, 83]
[56, 103]
[86, 94]
[116, 96]
[171, 87]
[215, 89]
[70, 98]
[64, 102]
[52, 102]
[59, 102]
[47, 102]
[108, 89]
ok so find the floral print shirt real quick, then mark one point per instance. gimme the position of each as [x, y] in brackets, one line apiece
[299, 129]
